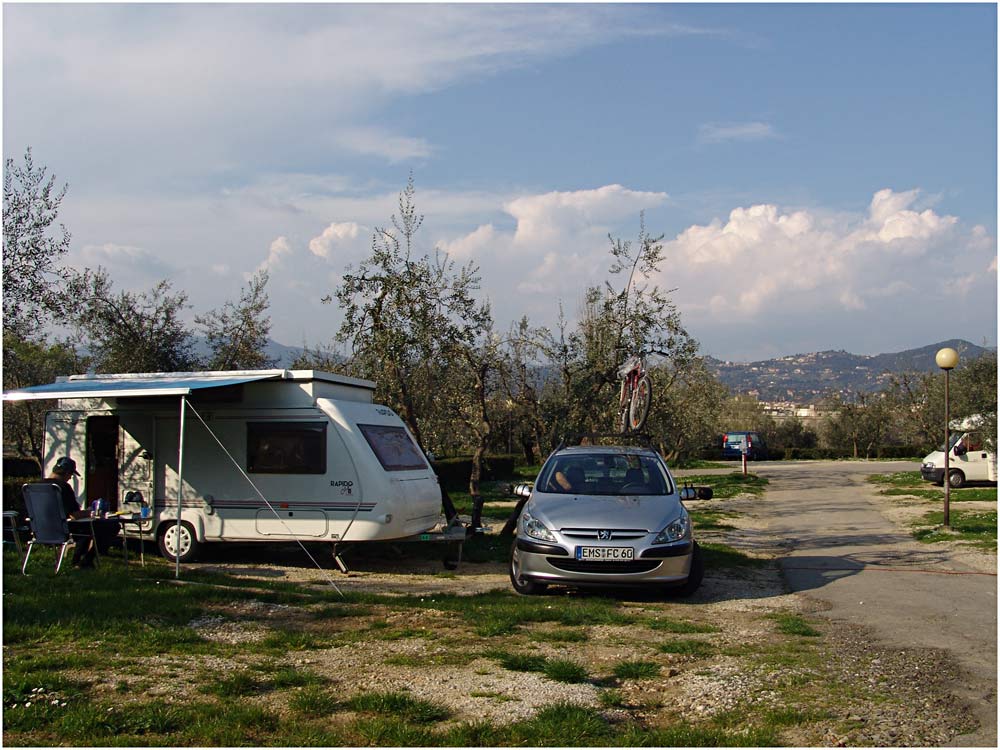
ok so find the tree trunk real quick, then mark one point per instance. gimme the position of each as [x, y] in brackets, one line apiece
[483, 431]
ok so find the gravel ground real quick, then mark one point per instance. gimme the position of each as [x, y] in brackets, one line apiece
[857, 692]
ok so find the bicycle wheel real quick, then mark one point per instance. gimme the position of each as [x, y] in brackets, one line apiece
[642, 398]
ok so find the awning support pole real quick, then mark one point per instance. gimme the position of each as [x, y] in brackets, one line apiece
[180, 487]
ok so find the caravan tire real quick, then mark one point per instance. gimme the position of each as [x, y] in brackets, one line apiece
[168, 540]
[956, 479]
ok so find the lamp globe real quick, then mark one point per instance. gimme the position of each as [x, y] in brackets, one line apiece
[947, 358]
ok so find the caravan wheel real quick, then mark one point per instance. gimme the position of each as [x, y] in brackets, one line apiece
[169, 541]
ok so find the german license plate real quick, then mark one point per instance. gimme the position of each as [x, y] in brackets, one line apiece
[605, 554]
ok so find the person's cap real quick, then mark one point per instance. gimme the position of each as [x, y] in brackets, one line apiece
[65, 465]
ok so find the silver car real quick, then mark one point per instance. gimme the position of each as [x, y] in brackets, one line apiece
[603, 515]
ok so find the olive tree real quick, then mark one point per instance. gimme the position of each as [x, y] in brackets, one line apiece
[626, 315]
[237, 332]
[32, 243]
[406, 315]
[129, 331]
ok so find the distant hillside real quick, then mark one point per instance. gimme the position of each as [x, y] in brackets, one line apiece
[805, 378]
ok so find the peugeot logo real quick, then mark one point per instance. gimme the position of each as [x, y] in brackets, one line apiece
[604, 534]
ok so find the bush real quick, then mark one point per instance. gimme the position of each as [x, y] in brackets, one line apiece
[454, 472]
[901, 451]
[817, 453]
[12, 499]
[20, 467]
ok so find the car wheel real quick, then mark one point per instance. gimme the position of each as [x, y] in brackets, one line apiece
[522, 585]
[183, 545]
[695, 575]
[956, 479]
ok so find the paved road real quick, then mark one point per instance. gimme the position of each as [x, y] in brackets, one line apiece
[842, 551]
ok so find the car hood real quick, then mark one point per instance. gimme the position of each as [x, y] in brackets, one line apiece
[649, 512]
[936, 458]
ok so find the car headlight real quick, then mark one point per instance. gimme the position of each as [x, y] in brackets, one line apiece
[534, 528]
[675, 531]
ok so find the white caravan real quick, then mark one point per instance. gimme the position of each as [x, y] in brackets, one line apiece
[969, 459]
[257, 455]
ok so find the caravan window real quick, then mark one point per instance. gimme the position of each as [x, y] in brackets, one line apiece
[393, 447]
[286, 447]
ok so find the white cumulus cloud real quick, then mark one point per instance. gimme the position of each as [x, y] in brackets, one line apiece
[333, 236]
[544, 217]
[471, 245]
[766, 261]
[279, 250]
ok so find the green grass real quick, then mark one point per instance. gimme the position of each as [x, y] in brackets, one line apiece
[636, 670]
[687, 647]
[399, 705]
[564, 670]
[290, 677]
[698, 464]
[710, 520]
[234, 686]
[910, 484]
[726, 486]
[611, 698]
[560, 670]
[898, 479]
[517, 662]
[313, 702]
[267, 701]
[789, 624]
[562, 635]
[979, 528]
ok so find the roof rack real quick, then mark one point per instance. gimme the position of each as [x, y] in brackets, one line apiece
[644, 438]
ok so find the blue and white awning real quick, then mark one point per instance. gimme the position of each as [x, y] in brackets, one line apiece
[119, 386]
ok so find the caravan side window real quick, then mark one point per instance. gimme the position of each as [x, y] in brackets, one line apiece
[286, 447]
[393, 447]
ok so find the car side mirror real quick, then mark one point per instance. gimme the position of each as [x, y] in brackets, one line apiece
[522, 490]
[689, 493]
[961, 450]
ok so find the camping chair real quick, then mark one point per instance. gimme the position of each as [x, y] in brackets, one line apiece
[48, 520]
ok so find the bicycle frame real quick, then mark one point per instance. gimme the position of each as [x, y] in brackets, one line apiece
[630, 373]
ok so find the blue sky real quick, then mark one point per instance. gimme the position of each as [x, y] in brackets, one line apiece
[824, 176]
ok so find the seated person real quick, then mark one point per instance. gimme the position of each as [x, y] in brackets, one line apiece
[62, 472]
[572, 480]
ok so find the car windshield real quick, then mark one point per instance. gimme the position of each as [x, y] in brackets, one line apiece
[955, 437]
[604, 474]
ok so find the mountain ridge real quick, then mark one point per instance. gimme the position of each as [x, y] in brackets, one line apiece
[809, 376]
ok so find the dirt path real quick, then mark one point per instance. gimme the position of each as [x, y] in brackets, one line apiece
[841, 550]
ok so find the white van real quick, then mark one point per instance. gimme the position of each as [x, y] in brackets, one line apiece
[266, 455]
[969, 459]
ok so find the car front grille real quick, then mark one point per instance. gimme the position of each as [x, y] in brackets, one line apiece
[616, 534]
[609, 568]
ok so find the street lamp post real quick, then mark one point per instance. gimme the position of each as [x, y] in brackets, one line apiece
[947, 360]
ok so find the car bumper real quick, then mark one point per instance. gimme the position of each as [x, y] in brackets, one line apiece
[935, 475]
[557, 563]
